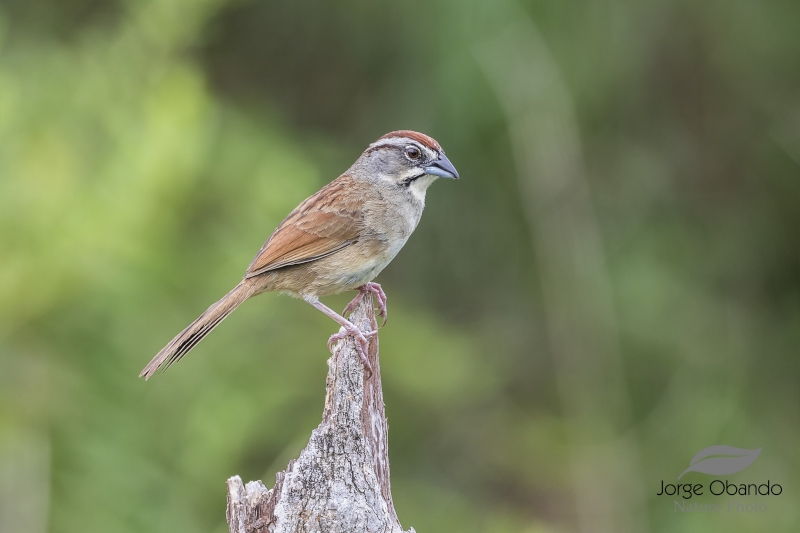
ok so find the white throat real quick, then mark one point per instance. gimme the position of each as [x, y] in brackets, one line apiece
[420, 185]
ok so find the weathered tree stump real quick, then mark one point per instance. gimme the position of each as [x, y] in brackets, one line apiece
[340, 481]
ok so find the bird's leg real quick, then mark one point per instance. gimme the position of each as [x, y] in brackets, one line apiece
[350, 330]
[380, 296]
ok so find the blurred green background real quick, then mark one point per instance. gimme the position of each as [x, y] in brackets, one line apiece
[613, 285]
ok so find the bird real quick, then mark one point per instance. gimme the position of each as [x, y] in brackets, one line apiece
[339, 239]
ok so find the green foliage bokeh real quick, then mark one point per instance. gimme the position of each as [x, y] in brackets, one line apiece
[147, 149]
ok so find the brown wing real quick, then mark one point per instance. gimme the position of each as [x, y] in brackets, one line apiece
[325, 223]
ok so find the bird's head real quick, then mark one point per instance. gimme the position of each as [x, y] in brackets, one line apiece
[407, 159]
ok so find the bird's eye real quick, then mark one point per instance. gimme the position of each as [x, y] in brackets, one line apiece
[413, 153]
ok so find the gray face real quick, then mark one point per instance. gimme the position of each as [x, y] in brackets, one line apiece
[407, 163]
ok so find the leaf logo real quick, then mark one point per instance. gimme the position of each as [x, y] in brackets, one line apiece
[721, 460]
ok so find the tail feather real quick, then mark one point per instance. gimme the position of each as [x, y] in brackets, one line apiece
[194, 332]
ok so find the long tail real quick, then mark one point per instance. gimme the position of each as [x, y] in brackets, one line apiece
[194, 332]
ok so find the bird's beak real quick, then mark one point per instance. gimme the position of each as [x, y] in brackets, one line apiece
[441, 167]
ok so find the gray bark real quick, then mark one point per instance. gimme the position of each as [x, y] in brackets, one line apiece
[340, 481]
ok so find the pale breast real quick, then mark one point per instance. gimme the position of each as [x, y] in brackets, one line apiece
[343, 271]
[390, 216]
[389, 221]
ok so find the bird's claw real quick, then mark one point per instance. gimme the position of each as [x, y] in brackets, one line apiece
[380, 297]
[361, 342]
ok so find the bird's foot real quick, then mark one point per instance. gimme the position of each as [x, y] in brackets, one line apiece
[380, 297]
[362, 342]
